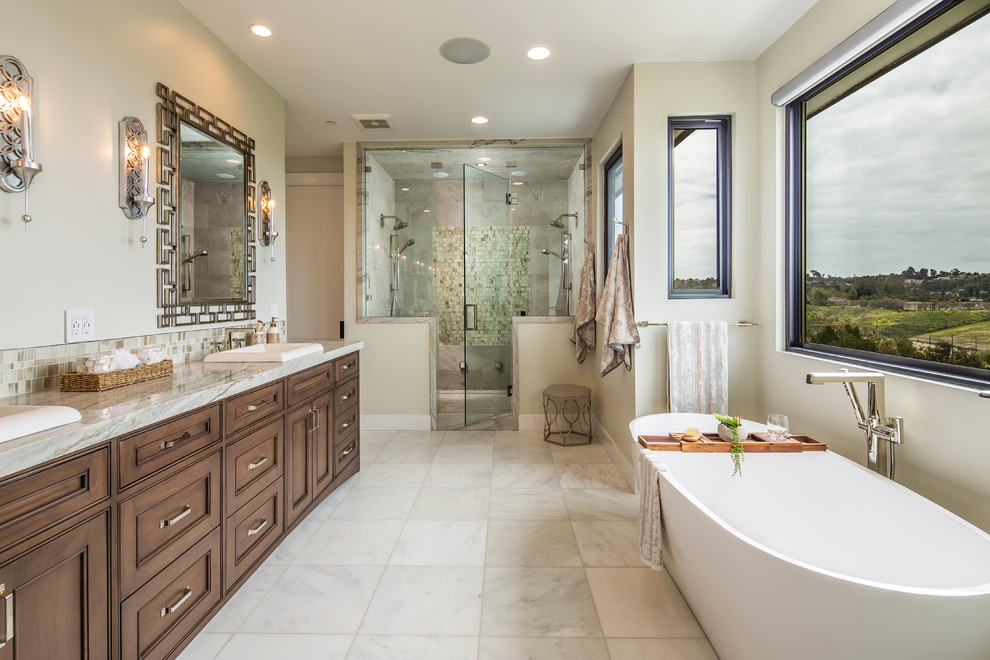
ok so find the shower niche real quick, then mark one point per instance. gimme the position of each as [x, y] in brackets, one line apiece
[473, 235]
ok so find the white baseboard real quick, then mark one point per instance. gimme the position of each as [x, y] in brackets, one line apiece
[395, 422]
[622, 464]
[530, 422]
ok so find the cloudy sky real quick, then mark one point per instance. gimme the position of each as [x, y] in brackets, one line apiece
[695, 209]
[899, 171]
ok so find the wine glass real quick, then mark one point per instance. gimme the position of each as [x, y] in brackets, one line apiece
[777, 426]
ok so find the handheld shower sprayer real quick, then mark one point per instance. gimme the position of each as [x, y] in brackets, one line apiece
[403, 248]
[188, 260]
[546, 251]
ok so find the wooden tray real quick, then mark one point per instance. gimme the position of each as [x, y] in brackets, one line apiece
[711, 443]
[73, 381]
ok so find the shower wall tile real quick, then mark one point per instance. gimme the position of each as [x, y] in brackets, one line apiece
[450, 191]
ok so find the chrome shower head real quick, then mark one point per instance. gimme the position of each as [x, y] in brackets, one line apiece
[189, 259]
[399, 224]
[557, 223]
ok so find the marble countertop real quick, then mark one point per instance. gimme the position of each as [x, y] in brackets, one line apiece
[114, 412]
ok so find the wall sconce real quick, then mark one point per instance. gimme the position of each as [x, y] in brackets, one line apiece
[135, 171]
[268, 233]
[17, 165]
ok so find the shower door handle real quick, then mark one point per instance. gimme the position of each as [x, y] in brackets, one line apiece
[468, 315]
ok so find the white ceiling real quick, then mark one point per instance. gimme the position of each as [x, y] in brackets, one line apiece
[334, 58]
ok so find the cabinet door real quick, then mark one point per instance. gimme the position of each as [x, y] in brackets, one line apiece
[298, 462]
[57, 596]
[323, 458]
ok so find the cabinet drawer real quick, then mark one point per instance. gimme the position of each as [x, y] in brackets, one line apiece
[345, 367]
[309, 383]
[346, 395]
[39, 499]
[251, 531]
[252, 463]
[345, 450]
[345, 421]
[156, 448]
[242, 410]
[163, 521]
[156, 618]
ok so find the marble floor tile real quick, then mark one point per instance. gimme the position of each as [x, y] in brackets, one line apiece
[247, 646]
[239, 607]
[469, 437]
[518, 437]
[589, 475]
[459, 475]
[608, 542]
[326, 507]
[426, 600]
[407, 454]
[580, 454]
[441, 543]
[640, 602]
[538, 602]
[370, 454]
[525, 475]
[407, 438]
[544, 648]
[391, 475]
[522, 453]
[451, 504]
[369, 438]
[665, 649]
[316, 599]
[373, 647]
[531, 543]
[352, 542]
[204, 646]
[464, 454]
[601, 504]
[375, 504]
[527, 504]
[291, 546]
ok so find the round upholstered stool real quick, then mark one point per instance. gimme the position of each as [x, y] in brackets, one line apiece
[567, 414]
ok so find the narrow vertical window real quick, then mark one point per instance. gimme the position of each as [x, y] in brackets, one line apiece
[613, 202]
[699, 207]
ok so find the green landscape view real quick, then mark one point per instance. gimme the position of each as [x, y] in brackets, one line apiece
[942, 316]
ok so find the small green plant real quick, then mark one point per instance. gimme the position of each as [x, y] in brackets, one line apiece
[736, 451]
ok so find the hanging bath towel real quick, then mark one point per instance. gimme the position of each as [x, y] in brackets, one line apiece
[583, 334]
[615, 312]
[698, 366]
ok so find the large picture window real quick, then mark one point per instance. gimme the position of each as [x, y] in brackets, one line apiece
[889, 202]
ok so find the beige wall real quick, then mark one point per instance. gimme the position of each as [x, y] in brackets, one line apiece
[944, 444]
[544, 356]
[93, 64]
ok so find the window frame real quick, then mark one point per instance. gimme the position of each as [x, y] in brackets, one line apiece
[611, 229]
[722, 125]
[794, 233]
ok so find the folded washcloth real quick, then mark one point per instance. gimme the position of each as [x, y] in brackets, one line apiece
[698, 366]
[615, 312]
[583, 334]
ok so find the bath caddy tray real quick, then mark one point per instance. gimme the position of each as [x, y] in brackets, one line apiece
[73, 381]
[711, 443]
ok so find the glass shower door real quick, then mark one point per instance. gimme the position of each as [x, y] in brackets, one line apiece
[488, 295]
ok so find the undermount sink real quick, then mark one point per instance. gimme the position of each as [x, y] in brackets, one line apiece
[18, 421]
[265, 353]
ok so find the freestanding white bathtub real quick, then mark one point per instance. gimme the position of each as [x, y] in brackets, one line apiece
[812, 557]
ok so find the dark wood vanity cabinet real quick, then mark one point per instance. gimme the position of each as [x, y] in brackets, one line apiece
[125, 551]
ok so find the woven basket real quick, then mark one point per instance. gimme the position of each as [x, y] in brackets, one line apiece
[76, 382]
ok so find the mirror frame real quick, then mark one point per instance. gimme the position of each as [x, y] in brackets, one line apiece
[172, 109]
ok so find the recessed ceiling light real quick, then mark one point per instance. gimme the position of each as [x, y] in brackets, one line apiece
[479, 120]
[225, 175]
[538, 53]
[440, 175]
[426, 210]
[482, 164]
[233, 160]
[520, 173]
[465, 50]
[260, 30]
[404, 189]
[517, 183]
[484, 159]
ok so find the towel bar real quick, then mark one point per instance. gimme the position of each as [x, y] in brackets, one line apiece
[741, 324]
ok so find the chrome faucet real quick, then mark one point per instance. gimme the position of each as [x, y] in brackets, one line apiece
[874, 423]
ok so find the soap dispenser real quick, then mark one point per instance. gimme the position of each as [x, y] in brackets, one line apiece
[272, 336]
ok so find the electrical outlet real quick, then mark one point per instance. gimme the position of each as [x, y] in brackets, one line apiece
[80, 325]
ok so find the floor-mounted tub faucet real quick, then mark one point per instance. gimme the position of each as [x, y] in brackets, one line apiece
[874, 423]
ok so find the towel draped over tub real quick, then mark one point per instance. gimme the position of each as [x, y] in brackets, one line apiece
[650, 522]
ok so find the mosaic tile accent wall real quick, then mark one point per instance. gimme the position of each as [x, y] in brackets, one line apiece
[35, 369]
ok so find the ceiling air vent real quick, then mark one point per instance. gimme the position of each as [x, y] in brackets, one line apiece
[373, 122]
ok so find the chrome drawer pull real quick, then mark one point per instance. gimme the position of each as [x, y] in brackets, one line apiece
[168, 444]
[316, 418]
[261, 526]
[345, 425]
[252, 407]
[171, 608]
[344, 366]
[186, 510]
[345, 397]
[257, 464]
[8, 605]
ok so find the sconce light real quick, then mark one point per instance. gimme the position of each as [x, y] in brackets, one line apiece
[268, 233]
[17, 165]
[135, 171]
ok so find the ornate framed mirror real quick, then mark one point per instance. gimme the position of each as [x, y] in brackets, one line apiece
[206, 216]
